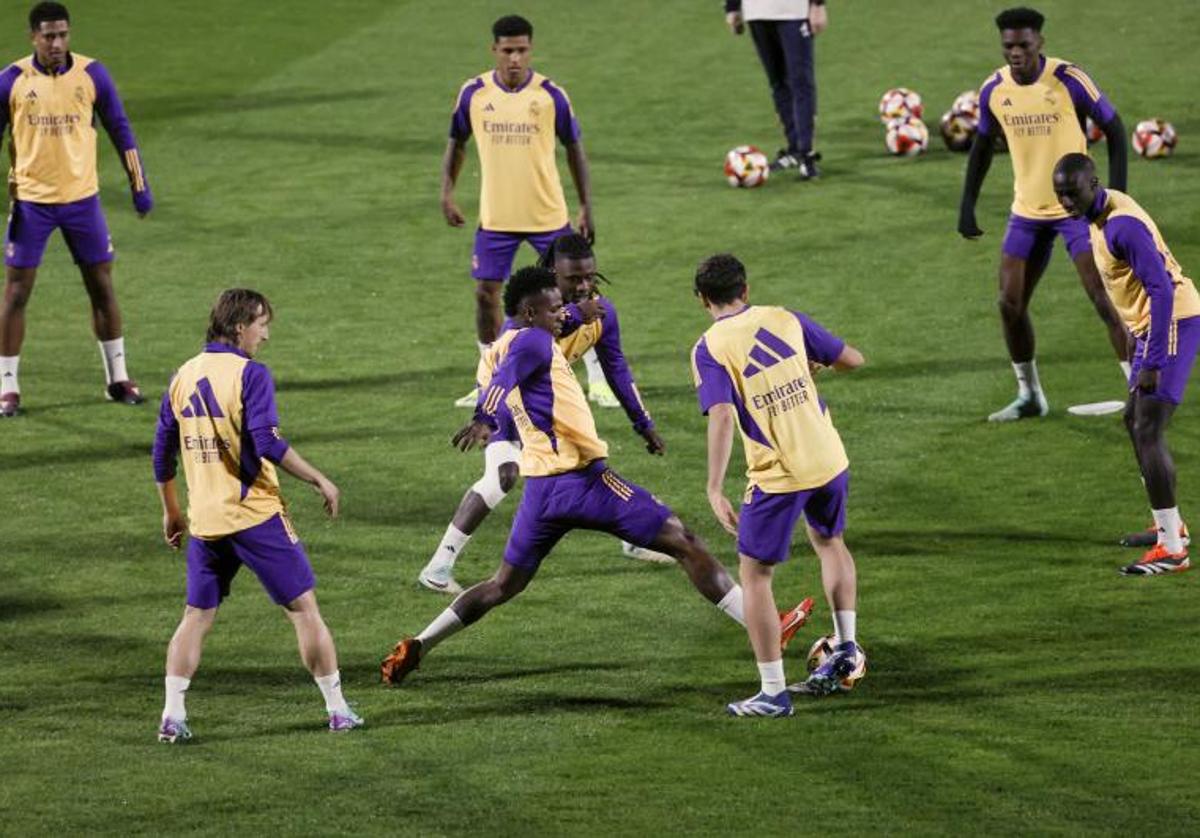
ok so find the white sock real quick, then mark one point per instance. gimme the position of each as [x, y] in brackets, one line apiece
[176, 687]
[8, 373]
[1027, 379]
[112, 352]
[1126, 368]
[844, 624]
[449, 550]
[331, 689]
[443, 626]
[771, 673]
[1169, 524]
[731, 604]
[594, 370]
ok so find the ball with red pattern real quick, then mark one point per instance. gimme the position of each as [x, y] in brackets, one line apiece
[746, 167]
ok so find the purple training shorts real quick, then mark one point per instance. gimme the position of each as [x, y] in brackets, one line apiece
[270, 549]
[767, 520]
[494, 252]
[82, 224]
[1032, 239]
[1181, 352]
[590, 498]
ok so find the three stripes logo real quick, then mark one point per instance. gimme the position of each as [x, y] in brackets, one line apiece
[768, 351]
[618, 487]
[202, 402]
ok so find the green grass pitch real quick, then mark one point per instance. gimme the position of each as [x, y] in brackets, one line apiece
[1017, 683]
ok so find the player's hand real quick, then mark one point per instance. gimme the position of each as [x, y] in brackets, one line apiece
[735, 23]
[143, 202]
[1147, 380]
[472, 434]
[818, 18]
[329, 493]
[724, 511]
[967, 228]
[452, 213]
[587, 227]
[590, 309]
[654, 443]
[174, 526]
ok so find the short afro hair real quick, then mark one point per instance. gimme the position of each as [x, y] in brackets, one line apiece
[525, 283]
[45, 12]
[511, 26]
[1021, 17]
[721, 279]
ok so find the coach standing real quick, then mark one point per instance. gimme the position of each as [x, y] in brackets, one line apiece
[783, 32]
[51, 100]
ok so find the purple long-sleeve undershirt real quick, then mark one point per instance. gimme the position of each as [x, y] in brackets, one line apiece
[1131, 240]
[616, 368]
[166, 441]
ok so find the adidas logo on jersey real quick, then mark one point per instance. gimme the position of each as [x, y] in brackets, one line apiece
[202, 402]
[768, 351]
[1007, 103]
[489, 107]
[31, 96]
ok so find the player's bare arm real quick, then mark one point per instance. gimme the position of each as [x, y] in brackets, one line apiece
[978, 163]
[849, 359]
[301, 469]
[174, 523]
[721, 422]
[452, 163]
[581, 175]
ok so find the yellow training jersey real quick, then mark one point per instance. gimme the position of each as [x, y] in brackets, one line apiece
[216, 401]
[532, 379]
[758, 361]
[515, 132]
[1135, 262]
[1041, 121]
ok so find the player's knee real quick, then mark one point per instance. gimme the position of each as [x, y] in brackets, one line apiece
[508, 474]
[487, 294]
[1011, 307]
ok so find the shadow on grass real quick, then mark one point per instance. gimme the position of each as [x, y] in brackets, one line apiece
[15, 606]
[398, 378]
[174, 107]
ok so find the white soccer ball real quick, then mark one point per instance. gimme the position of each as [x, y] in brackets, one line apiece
[907, 137]
[958, 130]
[967, 104]
[822, 648]
[900, 102]
[1154, 138]
[746, 167]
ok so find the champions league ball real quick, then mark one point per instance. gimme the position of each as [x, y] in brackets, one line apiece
[746, 167]
[1154, 138]
[822, 648]
[1092, 131]
[907, 137]
[898, 103]
[967, 104]
[958, 130]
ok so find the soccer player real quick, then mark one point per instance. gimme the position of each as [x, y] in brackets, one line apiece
[783, 32]
[568, 484]
[574, 265]
[51, 100]
[1040, 105]
[220, 407]
[753, 369]
[1161, 307]
[515, 115]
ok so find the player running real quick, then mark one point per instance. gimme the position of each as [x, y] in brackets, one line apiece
[51, 102]
[515, 115]
[221, 407]
[753, 369]
[568, 484]
[1160, 306]
[574, 265]
[1039, 104]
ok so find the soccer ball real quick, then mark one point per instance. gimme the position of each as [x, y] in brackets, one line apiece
[747, 167]
[898, 103]
[967, 104]
[822, 648]
[958, 130]
[1092, 131]
[907, 137]
[1154, 138]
